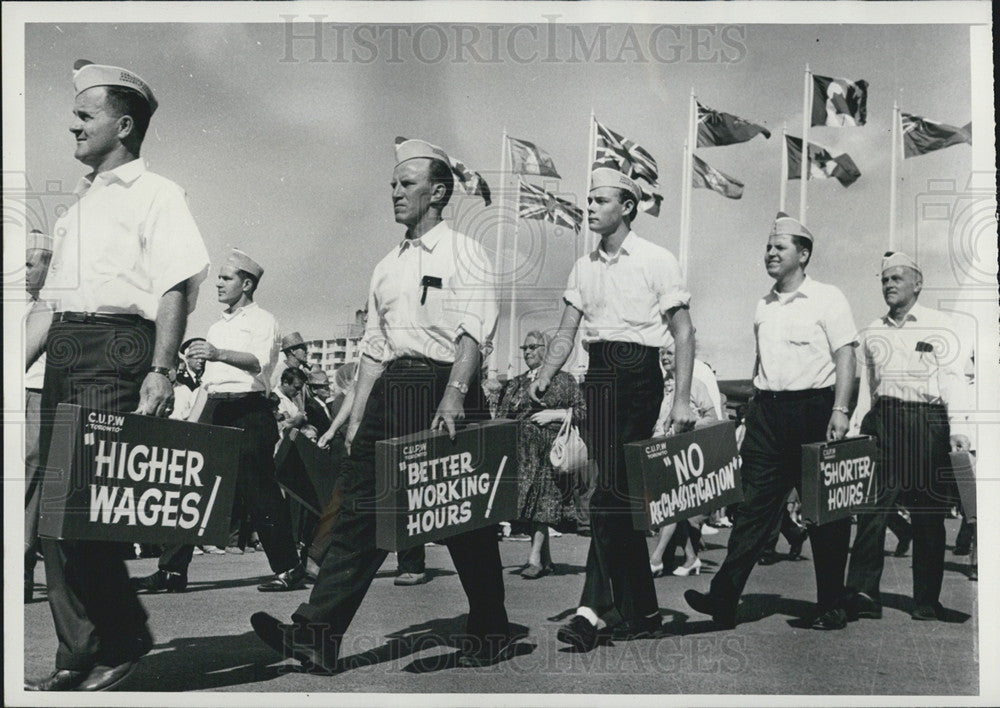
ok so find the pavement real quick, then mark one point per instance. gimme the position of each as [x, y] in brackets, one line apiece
[400, 640]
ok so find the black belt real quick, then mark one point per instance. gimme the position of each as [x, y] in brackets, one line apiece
[791, 395]
[891, 402]
[233, 396]
[99, 318]
[414, 362]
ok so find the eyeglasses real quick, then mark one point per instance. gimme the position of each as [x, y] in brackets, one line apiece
[531, 347]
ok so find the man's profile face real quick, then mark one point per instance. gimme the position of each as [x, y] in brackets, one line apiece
[229, 285]
[412, 190]
[900, 286]
[95, 127]
[605, 210]
[781, 257]
[298, 354]
[36, 267]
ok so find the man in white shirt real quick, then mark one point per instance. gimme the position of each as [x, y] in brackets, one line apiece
[239, 352]
[429, 309]
[803, 378]
[914, 400]
[124, 276]
[629, 298]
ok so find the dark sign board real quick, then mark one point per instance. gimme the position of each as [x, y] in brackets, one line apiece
[677, 477]
[136, 478]
[838, 478]
[305, 471]
[430, 488]
[964, 469]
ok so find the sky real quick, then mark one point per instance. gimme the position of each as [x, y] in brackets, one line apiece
[289, 158]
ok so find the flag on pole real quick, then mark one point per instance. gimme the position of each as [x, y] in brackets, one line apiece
[921, 136]
[472, 183]
[626, 156]
[703, 175]
[841, 103]
[536, 203]
[718, 128]
[821, 163]
[529, 159]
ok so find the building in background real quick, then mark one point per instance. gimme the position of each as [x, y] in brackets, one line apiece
[339, 349]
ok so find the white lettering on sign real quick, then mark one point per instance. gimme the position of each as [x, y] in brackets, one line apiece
[439, 491]
[689, 462]
[706, 487]
[155, 507]
[156, 465]
[845, 471]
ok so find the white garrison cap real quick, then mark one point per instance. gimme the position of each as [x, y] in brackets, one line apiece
[785, 225]
[410, 149]
[38, 241]
[891, 260]
[609, 177]
[86, 75]
[241, 261]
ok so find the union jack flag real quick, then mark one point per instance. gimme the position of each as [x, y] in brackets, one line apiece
[536, 203]
[626, 156]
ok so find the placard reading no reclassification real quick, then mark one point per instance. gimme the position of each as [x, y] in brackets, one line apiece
[137, 478]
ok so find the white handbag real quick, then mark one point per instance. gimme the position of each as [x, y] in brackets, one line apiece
[569, 452]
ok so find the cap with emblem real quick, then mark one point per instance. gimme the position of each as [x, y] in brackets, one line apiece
[609, 177]
[898, 258]
[241, 261]
[410, 149]
[38, 241]
[87, 74]
[785, 225]
[290, 341]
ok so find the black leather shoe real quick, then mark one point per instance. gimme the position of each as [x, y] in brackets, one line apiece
[104, 678]
[861, 606]
[159, 581]
[962, 551]
[290, 640]
[641, 628]
[831, 619]
[58, 680]
[768, 558]
[580, 634]
[282, 582]
[723, 615]
[926, 613]
[903, 547]
[486, 652]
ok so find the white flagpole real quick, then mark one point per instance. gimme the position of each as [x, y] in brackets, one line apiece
[686, 188]
[784, 168]
[512, 369]
[591, 154]
[893, 176]
[685, 172]
[499, 265]
[806, 120]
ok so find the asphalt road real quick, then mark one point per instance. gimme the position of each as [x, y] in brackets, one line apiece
[399, 641]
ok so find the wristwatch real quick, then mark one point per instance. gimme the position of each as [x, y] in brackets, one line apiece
[463, 388]
[842, 409]
[169, 373]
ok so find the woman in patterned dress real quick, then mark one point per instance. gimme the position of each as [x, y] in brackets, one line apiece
[541, 498]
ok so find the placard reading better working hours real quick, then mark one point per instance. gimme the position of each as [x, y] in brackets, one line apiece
[429, 488]
[136, 478]
[676, 477]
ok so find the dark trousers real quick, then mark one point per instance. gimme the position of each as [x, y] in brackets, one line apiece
[402, 401]
[777, 427]
[256, 486]
[412, 560]
[623, 389]
[787, 528]
[913, 450]
[98, 617]
[32, 478]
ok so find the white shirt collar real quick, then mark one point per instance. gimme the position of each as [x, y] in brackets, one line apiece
[628, 247]
[428, 241]
[126, 174]
[238, 311]
[914, 315]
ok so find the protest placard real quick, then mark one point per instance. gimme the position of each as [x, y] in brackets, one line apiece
[137, 478]
[676, 477]
[429, 488]
[838, 478]
[964, 468]
[305, 471]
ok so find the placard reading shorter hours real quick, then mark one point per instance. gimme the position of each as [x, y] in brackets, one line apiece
[838, 478]
[676, 477]
[430, 488]
[136, 478]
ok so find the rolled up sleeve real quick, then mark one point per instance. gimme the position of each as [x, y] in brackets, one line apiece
[839, 322]
[174, 249]
[668, 283]
[474, 301]
[572, 294]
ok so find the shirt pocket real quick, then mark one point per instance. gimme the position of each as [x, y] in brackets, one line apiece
[803, 334]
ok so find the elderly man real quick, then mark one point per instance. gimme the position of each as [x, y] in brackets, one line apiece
[428, 313]
[123, 279]
[913, 399]
[803, 379]
[296, 353]
[630, 296]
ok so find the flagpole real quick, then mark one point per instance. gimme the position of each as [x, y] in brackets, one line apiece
[806, 120]
[591, 153]
[500, 244]
[893, 176]
[686, 188]
[512, 368]
[784, 168]
[685, 172]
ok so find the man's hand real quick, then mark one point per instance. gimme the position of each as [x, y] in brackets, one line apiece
[538, 388]
[682, 418]
[203, 350]
[450, 411]
[325, 438]
[838, 426]
[156, 396]
[960, 443]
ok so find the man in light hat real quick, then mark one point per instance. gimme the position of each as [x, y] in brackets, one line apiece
[914, 400]
[296, 353]
[124, 276]
[803, 380]
[239, 352]
[630, 296]
[428, 313]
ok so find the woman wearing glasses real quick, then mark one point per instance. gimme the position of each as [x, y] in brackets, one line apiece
[541, 499]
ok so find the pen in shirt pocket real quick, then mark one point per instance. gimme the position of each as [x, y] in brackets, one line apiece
[428, 281]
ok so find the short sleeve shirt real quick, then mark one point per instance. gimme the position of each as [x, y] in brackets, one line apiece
[250, 329]
[128, 239]
[623, 298]
[797, 334]
[426, 293]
